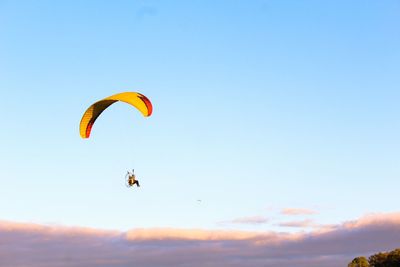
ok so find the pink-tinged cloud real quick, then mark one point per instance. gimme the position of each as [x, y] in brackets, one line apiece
[32, 245]
[299, 224]
[187, 234]
[297, 211]
[248, 220]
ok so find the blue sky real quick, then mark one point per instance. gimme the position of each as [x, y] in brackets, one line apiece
[258, 106]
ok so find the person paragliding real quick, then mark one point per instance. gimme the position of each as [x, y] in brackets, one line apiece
[131, 179]
[135, 99]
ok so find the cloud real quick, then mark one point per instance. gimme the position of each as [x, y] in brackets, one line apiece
[300, 224]
[33, 245]
[248, 220]
[297, 211]
[187, 234]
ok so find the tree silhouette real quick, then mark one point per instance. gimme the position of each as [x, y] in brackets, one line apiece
[359, 262]
[381, 259]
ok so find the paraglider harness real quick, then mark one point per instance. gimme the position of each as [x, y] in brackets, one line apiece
[130, 179]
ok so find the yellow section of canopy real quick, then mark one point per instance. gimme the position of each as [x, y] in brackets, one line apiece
[135, 99]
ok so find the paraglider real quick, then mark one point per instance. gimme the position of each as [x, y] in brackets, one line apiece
[137, 100]
[130, 179]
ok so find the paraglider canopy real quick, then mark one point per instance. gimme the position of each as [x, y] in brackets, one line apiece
[135, 99]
